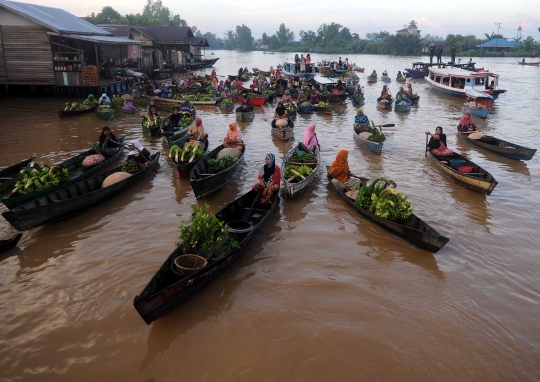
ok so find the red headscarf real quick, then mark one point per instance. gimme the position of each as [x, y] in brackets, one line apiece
[339, 168]
[466, 120]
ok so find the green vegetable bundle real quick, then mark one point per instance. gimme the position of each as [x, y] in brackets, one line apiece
[324, 104]
[202, 97]
[152, 121]
[39, 177]
[295, 172]
[244, 77]
[217, 165]
[188, 153]
[309, 158]
[129, 166]
[384, 201]
[289, 106]
[227, 101]
[117, 101]
[74, 106]
[186, 121]
[376, 134]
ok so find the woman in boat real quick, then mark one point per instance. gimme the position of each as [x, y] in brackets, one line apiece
[239, 87]
[104, 99]
[213, 74]
[128, 105]
[107, 143]
[310, 138]
[136, 92]
[233, 138]
[281, 113]
[385, 95]
[175, 119]
[220, 86]
[150, 105]
[437, 143]
[290, 82]
[255, 83]
[247, 105]
[196, 131]
[339, 86]
[361, 122]
[90, 100]
[240, 72]
[302, 64]
[287, 97]
[165, 93]
[385, 74]
[409, 90]
[227, 83]
[301, 98]
[214, 82]
[401, 95]
[374, 74]
[358, 91]
[226, 94]
[340, 173]
[315, 98]
[268, 180]
[466, 125]
[308, 63]
[154, 112]
[138, 154]
[399, 75]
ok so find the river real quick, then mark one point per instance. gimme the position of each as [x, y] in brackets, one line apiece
[324, 295]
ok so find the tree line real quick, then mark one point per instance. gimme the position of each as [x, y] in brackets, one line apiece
[328, 38]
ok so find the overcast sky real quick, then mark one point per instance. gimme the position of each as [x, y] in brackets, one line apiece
[441, 18]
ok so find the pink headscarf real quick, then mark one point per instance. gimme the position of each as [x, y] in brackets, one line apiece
[198, 121]
[310, 139]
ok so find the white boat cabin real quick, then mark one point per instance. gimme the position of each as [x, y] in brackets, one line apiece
[454, 81]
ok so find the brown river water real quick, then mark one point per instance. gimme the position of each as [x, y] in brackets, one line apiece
[324, 295]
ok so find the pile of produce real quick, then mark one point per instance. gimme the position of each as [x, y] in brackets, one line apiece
[307, 90]
[269, 92]
[39, 177]
[384, 201]
[186, 121]
[221, 164]
[255, 70]
[227, 101]
[117, 101]
[193, 97]
[289, 106]
[153, 121]
[376, 134]
[188, 153]
[74, 106]
[295, 173]
[324, 104]
[244, 77]
[309, 158]
[129, 166]
[302, 156]
[255, 95]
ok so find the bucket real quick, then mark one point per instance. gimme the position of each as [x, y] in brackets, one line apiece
[455, 163]
[189, 264]
[238, 229]
[465, 169]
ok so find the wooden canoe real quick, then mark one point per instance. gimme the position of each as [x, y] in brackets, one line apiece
[402, 106]
[150, 131]
[258, 101]
[10, 243]
[65, 114]
[167, 290]
[504, 148]
[529, 63]
[371, 146]
[482, 113]
[171, 140]
[283, 134]
[184, 168]
[385, 104]
[227, 107]
[413, 230]
[205, 184]
[76, 172]
[293, 189]
[479, 179]
[11, 174]
[371, 79]
[358, 100]
[304, 109]
[71, 200]
[245, 117]
[386, 79]
[105, 113]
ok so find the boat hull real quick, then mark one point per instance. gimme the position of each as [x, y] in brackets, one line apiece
[245, 117]
[371, 146]
[504, 148]
[71, 200]
[283, 134]
[483, 113]
[417, 73]
[184, 168]
[155, 300]
[484, 182]
[292, 190]
[402, 107]
[66, 114]
[12, 174]
[10, 243]
[108, 115]
[358, 100]
[413, 230]
[384, 104]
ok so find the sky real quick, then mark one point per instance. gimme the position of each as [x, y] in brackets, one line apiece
[435, 18]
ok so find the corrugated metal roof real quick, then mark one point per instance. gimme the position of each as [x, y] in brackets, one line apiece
[501, 43]
[100, 39]
[454, 72]
[117, 30]
[53, 18]
[163, 34]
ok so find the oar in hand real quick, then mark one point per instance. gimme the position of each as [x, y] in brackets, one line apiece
[144, 157]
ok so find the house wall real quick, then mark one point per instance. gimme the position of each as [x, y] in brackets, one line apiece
[8, 18]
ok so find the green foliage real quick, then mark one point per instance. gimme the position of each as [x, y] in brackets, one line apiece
[292, 171]
[244, 39]
[217, 165]
[284, 35]
[324, 104]
[74, 106]
[204, 234]
[117, 101]
[152, 121]
[384, 201]
[39, 177]
[376, 134]
[129, 166]
[188, 153]
[402, 44]
[227, 101]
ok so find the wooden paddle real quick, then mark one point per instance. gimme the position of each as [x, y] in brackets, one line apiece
[144, 157]
[248, 212]
[155, 135]
[426, 144]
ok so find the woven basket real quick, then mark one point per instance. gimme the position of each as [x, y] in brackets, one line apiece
[189, 264]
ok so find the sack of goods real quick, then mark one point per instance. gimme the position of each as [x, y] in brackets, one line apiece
[115, 178]
[92, 160]
[282, 123]
[476, 135]
[364, 135]
[232, 152]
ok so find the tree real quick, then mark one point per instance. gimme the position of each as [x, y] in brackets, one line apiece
[213, 40]
[376, 36]
[430, 38]
[244, 40]
[528, 44]
[108, 15]
[230, 40]
[412, 24]
[493, 35]
[265, 39]
[402, 44]
[273, 42]
[155, 13]
[284, 35]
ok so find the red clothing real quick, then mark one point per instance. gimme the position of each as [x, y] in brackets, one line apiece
[276, 179]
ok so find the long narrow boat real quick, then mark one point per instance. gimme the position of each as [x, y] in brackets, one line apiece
[358, 99]
[76, 172]
[105, 113]
[419, 70]
[371, 79]
[171, 140]
[385, 104]
[245, 117]
[306, 108]
[72, 200]
[10, 175]
[386, 79]
[184, 168]
[65, 113]
[529, 63]
[479, 179]
[413, 230]
[292, 190]
[167, 290]
[150, 131]
[10, 243]
[283, 134]
[504, 148]
[482, 102]
[204, 184]
[403, 106]
[376, 147]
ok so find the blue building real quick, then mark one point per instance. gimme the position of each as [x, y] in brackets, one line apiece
[500, 45]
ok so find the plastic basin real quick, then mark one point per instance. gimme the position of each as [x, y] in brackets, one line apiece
[465, 169]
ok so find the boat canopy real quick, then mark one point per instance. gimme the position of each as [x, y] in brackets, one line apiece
[476, 94]
[325, 80]
[454, 72]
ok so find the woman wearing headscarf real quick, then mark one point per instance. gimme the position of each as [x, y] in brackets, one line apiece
[247, 105]
[104, 99]
[196, 130]
[466, 125]
[233, 138]
[107, 142]
[138, 154]
[310, 138]
[302, 64]
[90, 100]
[226, 94]
[341, 174]
[269, 179]
[315, 98]
[409, 89]
[281, 114]
[301, 98]
[361, 122]
[437, 143]
[287, 97]
[150, 105]
[296, 64]
[175, 119]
